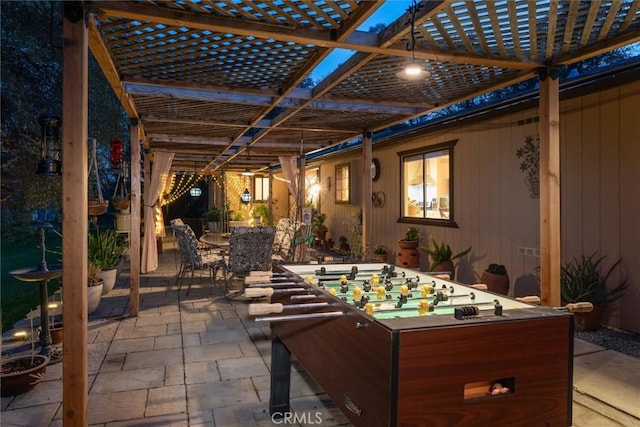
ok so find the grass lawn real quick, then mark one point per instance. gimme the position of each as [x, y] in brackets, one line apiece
[21, 250]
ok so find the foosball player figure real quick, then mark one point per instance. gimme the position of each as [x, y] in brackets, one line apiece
[388, 285]
[357, 296]
[333, 291]
[344, 287]
[375, 279]
[309, 280]
[413, 283]
[427, 290]
[402, 298]
[366, 286]
[424, 307]
[381, 293]
[368, 308]
[498, 388]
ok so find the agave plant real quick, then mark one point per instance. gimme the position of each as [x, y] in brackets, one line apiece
[441, 252]
[582, 281]
[105, 248]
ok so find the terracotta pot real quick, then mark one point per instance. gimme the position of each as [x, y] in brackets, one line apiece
[381, 257]
[121, 205]
[446, 266]
[589, 321]
[21, 373]
[408, 244]
[94, 207]
[498, 283]
[56, 334]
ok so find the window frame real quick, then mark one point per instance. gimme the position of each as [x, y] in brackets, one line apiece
[338, 178]
[424, 151]
[254, 181]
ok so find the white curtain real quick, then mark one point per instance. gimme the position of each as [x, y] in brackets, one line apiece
[290, 172]
[159, 172]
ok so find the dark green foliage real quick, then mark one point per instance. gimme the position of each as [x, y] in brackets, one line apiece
[213, 215]
[105, 248]
[582, 281]
[441, 252]
[497, 269]
[412, 234]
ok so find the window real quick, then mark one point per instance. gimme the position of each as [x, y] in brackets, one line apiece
[427, 185]
[261, 189]
[342, 183]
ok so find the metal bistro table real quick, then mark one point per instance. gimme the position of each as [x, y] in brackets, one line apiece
[216, 240]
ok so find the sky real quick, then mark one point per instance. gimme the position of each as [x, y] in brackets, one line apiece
[387, 13]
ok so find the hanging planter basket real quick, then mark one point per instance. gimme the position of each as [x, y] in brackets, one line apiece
[121, 205]
[96, 206]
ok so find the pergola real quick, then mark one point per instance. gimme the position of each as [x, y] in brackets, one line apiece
[209, 80]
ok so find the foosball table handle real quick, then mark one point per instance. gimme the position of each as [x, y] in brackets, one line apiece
[579, 307]
[258, 309]
[480, 286]
[258, 292]
[531, 299]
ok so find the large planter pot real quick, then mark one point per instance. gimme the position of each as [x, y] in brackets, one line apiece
[446, 266]
[212, 226]
[408, 255]
[109, 278]
[94, 294]
[498, 283]
[589, 321]
[21, 373]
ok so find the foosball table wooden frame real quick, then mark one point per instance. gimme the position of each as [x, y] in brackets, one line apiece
[428, 370]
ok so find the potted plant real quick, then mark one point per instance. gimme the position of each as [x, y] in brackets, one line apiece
[381, 252]
[581, 280]
[411, 238]
[496, 279]
[442, 256]
[94, 290]
[105, 249]
[261, 212]
[318, 228]
[21, 373]
[213, 218]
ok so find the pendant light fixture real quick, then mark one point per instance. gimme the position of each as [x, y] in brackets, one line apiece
[413, 70]
[245, 197]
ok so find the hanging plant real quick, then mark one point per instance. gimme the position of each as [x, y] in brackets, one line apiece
[530, 164]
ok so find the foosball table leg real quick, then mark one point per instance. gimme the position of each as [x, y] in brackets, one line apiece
[280, 378]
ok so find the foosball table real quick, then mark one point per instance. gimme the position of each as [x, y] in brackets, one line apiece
[396, 347]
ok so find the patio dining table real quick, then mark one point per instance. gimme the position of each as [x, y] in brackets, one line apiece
[216, 240]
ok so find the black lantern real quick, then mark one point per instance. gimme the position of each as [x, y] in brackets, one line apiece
[245, 197]
[50, 146]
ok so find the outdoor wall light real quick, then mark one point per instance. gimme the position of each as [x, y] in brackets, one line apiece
[195, 192]
[50, 146]
[413, 70]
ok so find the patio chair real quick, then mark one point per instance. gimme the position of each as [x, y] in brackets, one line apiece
[289, 234]
[193, 257]
[250, 249]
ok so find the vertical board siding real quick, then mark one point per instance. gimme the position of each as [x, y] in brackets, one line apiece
[600, 153]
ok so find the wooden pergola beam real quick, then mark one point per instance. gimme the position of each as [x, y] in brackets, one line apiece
[75, 87]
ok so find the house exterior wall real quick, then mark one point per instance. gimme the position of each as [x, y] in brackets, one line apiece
[600, 208]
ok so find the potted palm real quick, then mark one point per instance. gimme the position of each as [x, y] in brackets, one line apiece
[442, 256]
[105, 249]
[581, 280]
[318, 228]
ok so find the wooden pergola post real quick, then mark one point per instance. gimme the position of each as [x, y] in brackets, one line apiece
[75, 221]
[549, 187]
[134, 236]
[366, 193]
